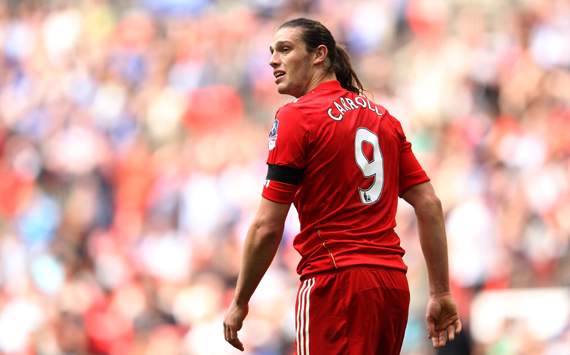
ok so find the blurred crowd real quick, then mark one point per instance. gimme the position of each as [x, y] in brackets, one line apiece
[133, 138]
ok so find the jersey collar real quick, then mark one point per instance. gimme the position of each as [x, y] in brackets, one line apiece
[327, 85]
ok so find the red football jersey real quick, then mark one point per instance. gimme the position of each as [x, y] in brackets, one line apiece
[343, 160]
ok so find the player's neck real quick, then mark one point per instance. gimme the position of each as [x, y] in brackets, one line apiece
[318, 79]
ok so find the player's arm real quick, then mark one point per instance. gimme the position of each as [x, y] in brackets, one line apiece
[432, 234]
[261, 244]
[441, 315]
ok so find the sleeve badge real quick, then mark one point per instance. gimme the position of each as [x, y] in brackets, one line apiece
[273, 134]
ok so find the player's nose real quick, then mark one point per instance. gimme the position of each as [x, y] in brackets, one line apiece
[274, 60]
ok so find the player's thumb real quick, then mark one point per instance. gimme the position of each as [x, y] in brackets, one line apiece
[430, 321]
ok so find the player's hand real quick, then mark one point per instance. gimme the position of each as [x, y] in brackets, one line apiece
[233, 322]
[442, 319]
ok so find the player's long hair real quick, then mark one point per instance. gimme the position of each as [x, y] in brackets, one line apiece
[315, 34]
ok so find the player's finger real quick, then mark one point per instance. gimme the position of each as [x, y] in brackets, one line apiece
[435, 341]
[442, 337]
[431, 327]
[233, 339]
[236, 343]
[232, 334]
[227, 333]
[458, 326]
[451, 332]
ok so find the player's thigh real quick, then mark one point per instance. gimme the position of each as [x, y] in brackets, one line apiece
[321, 319]
[378, 312]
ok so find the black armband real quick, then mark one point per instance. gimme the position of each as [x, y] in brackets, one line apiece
[284, 174]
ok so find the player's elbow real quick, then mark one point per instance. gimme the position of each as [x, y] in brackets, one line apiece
[428, 204]
[267, 229]
[423, 198]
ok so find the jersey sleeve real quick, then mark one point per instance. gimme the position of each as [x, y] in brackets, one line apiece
[411, 172]
[287, 155]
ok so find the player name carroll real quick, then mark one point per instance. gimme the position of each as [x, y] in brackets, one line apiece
[344, 104]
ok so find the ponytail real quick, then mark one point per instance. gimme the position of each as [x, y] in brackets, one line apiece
[345, 74]
[314, 34]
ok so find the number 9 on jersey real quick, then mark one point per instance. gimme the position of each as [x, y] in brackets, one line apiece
[373, 168]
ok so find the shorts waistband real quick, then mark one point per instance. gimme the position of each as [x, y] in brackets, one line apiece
[344, 268]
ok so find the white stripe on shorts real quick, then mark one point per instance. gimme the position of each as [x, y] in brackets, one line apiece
[298, 315]
[302, 320]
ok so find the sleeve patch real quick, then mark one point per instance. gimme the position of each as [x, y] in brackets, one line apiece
[273, 134]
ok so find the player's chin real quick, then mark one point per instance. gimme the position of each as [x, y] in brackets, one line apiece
[282, 89]
[286, 90]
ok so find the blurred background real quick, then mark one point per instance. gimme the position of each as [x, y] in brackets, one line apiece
[133, 139]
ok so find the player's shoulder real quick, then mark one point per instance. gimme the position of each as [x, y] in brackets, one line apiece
[380, 108]
[395, 124]
[390, 121]
[290, 109]
[297, 111]
[389, 117]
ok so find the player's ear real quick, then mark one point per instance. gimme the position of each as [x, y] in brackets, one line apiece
[321, 53]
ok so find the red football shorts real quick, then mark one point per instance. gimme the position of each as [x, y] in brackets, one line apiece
[359, 310]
